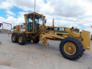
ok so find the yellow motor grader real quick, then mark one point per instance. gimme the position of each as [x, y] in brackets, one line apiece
[73, 43]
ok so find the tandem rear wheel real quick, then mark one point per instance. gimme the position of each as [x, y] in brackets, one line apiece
[22, 40]
[14, 38]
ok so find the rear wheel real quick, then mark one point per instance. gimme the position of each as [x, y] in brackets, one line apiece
[36, 40]
[71, 48]
[14, 38]
[22, 40]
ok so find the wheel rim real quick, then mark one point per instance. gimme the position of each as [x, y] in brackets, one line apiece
[20, 39]
[70, 48]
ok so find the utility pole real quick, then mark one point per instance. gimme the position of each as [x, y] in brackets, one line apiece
[34, 13]
[53, 23]
[34, 5]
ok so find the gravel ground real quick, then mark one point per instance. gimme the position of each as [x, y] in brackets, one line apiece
[35, 56]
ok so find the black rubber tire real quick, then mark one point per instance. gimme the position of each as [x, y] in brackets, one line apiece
[23, 41]
[14, 38]
[36, 40]
[79, 48]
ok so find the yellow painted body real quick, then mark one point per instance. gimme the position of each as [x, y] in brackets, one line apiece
[83, 36]
[85, 39]
[46, 34]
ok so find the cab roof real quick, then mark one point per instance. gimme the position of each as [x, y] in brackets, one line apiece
[37, 15]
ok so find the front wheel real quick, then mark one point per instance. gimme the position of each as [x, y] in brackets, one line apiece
[71, 48]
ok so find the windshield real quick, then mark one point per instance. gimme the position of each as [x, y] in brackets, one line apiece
[39, 20]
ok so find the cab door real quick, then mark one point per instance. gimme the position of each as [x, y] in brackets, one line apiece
[29, 24]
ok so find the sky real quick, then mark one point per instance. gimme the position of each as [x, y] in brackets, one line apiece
[77, 13]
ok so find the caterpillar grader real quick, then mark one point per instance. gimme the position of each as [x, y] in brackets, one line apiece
[72, 43]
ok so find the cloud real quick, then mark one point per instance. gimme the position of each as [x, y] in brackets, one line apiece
[6, 5]
[8, 12]
[58, 7]
[15, 21]
[11, 20]
[2, 19]
[68, 8]
[24, 4]
[63, 11]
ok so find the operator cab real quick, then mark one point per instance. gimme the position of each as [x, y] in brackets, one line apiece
[33, 21]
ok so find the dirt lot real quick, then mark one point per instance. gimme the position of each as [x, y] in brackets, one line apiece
[35, 56]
